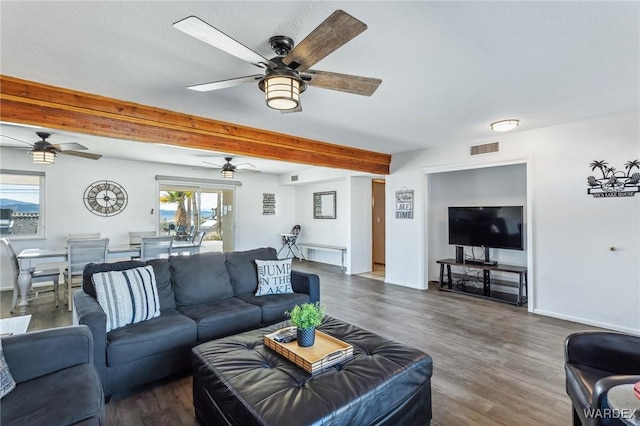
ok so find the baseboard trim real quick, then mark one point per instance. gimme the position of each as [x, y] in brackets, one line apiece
[586, 321]
[386, 281]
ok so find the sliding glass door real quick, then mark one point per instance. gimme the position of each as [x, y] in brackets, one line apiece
[187, 209]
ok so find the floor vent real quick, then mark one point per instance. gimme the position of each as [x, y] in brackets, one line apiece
[294, 178]
[486, 148]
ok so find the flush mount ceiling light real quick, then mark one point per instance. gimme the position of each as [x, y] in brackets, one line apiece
[505, 125]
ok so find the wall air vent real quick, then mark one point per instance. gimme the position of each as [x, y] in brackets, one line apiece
[486, 148]
[294, 178]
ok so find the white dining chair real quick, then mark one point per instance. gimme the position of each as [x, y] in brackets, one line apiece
[37, 276]
[155, 247]
[81, 252]
[135, 237]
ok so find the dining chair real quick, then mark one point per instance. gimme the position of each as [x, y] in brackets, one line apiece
[135, 238]
[198, 237]
[37, 276]
[155, 247]
[91, 235]
[81, 252]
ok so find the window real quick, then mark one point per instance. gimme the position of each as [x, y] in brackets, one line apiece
[21, 203]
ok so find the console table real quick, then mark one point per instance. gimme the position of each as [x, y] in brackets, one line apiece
[326, 247]
[487, 281]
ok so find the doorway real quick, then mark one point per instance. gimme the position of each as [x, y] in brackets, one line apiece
[378, 223]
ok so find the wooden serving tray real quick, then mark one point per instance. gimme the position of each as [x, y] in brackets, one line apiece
[325, 352]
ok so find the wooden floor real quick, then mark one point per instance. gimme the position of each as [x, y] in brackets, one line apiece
[494, 364]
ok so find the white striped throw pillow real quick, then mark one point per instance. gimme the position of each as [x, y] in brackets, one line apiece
[127, 296]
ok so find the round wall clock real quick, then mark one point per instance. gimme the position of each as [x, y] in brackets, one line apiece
[105, 198]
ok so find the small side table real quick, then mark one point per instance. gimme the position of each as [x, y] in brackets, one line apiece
[14, 325]
[622, 399]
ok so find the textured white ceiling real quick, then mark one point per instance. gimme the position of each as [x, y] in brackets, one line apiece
[448, 68]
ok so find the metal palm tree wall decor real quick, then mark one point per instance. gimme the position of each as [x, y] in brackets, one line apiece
[614, 183]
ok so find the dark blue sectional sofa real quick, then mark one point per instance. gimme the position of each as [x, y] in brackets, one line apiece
[202, 297]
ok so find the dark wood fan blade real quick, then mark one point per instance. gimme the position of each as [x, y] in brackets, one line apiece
[335, 31]
[197, 28]
[82, 154]
[72, 146]
[223, 84]
[364, 86]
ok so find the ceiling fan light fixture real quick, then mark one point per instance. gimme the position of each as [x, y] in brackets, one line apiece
[227, 174]
[282, 92]
[505, 125]
[43, 156]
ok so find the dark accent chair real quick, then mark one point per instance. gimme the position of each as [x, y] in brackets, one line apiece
[596, 361]
[56, 381]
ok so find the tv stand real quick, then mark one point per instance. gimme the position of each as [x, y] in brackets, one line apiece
[465, 285]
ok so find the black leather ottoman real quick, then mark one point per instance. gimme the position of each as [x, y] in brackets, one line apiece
[239, 381]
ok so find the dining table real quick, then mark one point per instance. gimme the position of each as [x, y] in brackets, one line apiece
[29, 258]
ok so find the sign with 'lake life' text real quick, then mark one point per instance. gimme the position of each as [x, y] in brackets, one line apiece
[404, 204]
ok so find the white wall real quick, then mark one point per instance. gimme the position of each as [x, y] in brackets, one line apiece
[67, 180]
[490, 186]
[573, 273]
[323, 231]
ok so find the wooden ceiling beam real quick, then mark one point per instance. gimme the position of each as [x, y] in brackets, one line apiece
[33, 103]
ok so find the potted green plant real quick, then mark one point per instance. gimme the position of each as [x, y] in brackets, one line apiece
[306, 317]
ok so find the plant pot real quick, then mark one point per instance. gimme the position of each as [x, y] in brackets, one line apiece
[306, 336]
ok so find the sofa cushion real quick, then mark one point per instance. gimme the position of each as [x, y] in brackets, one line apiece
[242, 268]
[273, 306]
[224, 317]
[128, 296]
[65, 397]
[274, 277]
[162, 269]
[169, 331]
[200, 278]
[7, 384]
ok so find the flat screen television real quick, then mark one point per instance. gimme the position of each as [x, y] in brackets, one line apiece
[495, 227]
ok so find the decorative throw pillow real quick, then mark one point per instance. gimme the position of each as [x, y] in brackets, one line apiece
[7, 384]
[274, 277]
[127, 296]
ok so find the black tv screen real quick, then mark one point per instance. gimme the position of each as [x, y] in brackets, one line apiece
[496, 227]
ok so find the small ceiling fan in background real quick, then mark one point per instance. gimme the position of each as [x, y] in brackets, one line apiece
[44, 152]
[227, 169]
[287, 75]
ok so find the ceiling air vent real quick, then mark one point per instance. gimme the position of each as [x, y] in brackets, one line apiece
[486, 148]
[294, 178]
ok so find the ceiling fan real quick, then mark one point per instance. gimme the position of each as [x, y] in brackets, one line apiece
[44, 152]
[287, 74]
[228, 169]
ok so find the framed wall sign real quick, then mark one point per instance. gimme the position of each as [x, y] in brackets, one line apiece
[404, 204]
[324, 205]
[268, 204]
